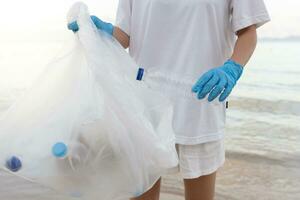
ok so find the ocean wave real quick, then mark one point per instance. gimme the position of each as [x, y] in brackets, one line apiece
[262, 105]
[283, 86]
[292, 70]
[277, 159]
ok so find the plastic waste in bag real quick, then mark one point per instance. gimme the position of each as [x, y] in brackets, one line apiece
[87, 128]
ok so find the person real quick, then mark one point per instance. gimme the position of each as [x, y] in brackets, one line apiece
[199, 48]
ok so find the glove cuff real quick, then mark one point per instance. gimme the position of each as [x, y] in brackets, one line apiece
[238, 68]
[110, 28]
[230, 61]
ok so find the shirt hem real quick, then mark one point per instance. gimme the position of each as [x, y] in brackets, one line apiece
[200, 139]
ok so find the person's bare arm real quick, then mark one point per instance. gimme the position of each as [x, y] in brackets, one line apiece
[245, 45]
[122, 37]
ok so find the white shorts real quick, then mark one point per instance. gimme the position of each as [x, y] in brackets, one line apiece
[200, 159]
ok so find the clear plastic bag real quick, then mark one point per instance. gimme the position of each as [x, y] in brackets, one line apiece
[117, 133]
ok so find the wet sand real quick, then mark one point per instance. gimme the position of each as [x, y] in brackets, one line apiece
[250, 177]
[246, 177]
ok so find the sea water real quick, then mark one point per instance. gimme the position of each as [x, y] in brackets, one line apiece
[263, 119]
[267, 101]
[263, 127]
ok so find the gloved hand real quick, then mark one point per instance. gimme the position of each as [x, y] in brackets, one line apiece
[106, 27]
[218, 81]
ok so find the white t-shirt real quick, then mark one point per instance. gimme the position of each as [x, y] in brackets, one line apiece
[176, 41]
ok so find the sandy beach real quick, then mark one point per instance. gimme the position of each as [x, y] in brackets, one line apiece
[243, 177]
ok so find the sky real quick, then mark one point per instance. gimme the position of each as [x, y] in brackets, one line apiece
[44, 19]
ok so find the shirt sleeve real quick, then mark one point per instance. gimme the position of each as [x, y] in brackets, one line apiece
[123, 19]
[248, 12]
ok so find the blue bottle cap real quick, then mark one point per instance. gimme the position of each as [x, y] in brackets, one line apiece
[14, 164]
[140, 74]
[59, 150]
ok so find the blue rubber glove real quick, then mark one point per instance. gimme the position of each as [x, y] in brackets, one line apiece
[101, 25]
[218, 81]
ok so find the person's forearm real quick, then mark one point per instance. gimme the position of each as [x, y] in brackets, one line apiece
[245, 45]
[121, 36]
